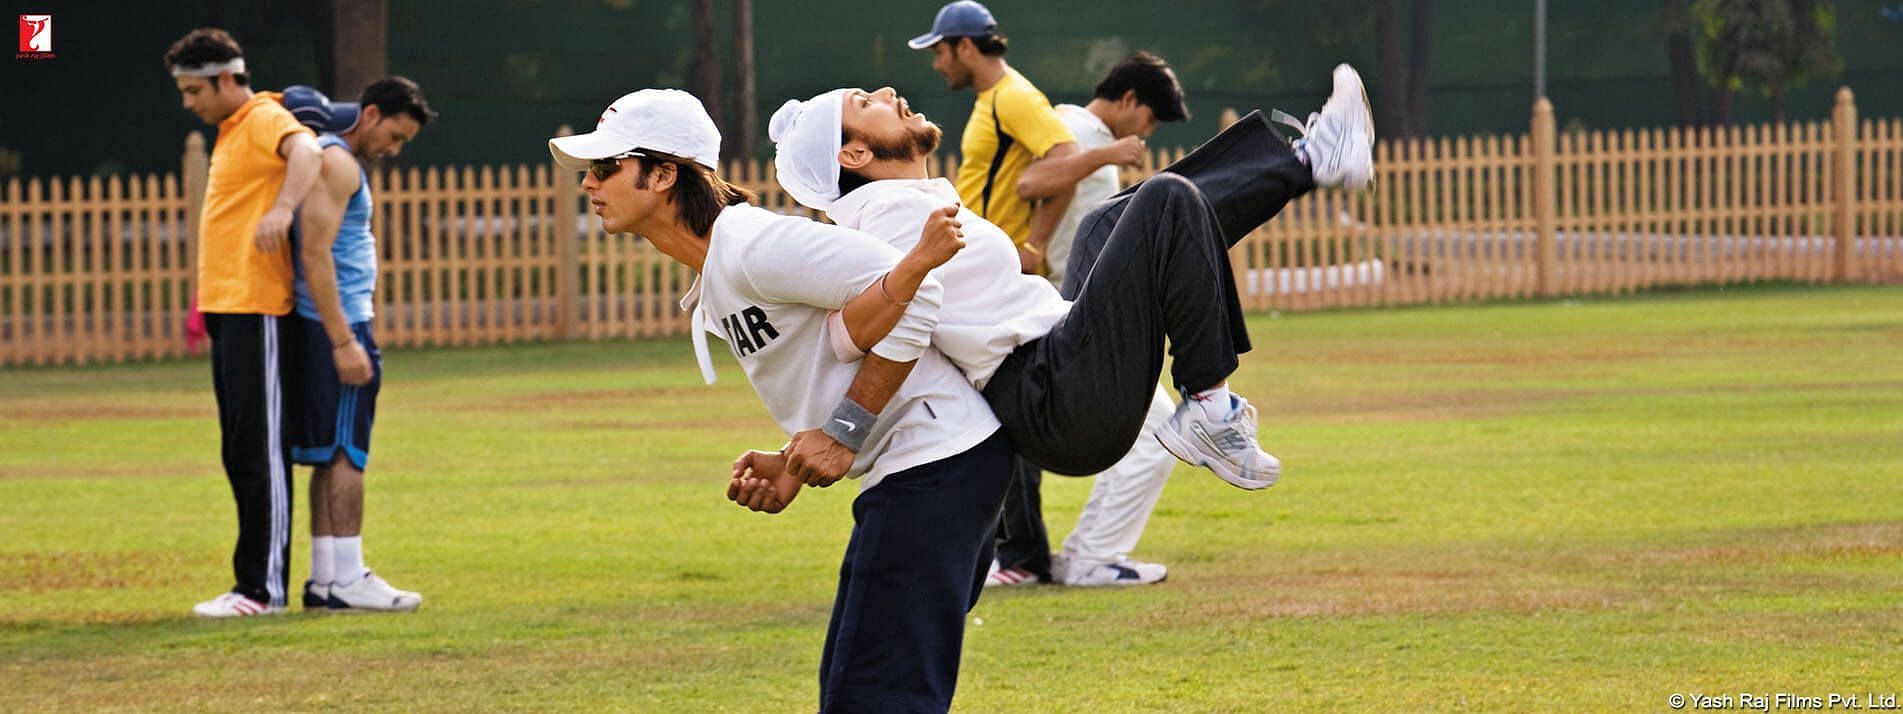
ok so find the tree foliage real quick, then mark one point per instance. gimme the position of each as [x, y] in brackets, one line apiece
[1766, 46]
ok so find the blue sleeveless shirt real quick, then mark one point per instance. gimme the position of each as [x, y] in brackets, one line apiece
[355, 253]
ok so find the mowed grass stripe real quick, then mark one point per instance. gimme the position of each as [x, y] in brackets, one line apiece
[1579, 505]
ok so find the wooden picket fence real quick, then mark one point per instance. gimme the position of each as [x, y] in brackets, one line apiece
[101, 270]
[1602, 212]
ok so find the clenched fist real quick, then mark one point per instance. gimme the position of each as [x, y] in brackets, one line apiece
[1127, 151]
[942, 238]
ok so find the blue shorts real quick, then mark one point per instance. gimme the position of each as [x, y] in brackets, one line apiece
[328, 415]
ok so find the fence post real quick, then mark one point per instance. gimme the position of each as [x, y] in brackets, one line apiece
[1845, 184]
[1545, 193]
[1228, 117]
[567, 247]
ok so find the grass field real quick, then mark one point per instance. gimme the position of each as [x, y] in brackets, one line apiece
[1577, 507]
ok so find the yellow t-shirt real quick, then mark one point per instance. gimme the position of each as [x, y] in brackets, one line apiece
[1032, 127]
[234, 277]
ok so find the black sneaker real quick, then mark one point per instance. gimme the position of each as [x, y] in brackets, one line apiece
[316, 597]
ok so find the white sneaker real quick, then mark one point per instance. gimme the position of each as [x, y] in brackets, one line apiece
[1122, 572]
[234, 605]
[372, 593]
[1226, 447]
[1339, 139]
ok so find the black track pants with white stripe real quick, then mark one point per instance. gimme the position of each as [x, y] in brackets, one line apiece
[248, 367]
[1148, 267]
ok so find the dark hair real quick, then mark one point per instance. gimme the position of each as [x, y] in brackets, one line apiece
[850, 180]
[699, 194]
[203, 46]
[991, 45]
[1150, 77]
[394, 94]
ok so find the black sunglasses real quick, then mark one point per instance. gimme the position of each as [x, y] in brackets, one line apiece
[603, 169]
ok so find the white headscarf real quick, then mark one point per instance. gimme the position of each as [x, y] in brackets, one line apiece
[806, 137]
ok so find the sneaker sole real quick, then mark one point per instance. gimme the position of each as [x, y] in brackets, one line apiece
[1118, 583]
[238, 615]
[993, 581]
[1367, 121]
[1177, 447]
[353, 610]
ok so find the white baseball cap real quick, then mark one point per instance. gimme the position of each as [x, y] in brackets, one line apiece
[669, 121]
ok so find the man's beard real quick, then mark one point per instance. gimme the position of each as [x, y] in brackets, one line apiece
[958, 80]
[908, 145]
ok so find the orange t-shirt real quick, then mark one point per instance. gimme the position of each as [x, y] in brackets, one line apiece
[234, 277]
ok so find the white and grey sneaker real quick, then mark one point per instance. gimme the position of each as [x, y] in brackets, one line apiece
[372, 594]
[234, 605]
[1339, 139]
[1086, 574]
[1227, 447]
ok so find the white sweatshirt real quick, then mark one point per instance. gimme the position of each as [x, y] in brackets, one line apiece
[989, 307]
[766, 288]
[1098, 185]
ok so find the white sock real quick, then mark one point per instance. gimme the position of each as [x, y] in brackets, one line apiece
[1214, 401]
[323, 559]
[348, 559]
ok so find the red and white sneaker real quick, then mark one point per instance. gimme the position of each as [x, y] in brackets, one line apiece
[1008, 577]
[234, 605]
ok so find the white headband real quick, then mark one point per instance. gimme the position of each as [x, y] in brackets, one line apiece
[806, 139]
[235, 66]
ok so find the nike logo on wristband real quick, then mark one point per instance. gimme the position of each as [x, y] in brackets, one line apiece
[849, 425]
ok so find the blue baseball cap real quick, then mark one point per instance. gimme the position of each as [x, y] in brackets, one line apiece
[964, 18]
[316, 111]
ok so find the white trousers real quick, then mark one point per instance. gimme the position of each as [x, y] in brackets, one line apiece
[1123, 496]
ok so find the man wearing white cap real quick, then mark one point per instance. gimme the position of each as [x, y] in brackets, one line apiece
[262, 165]
[1071, 381]
[930, 458]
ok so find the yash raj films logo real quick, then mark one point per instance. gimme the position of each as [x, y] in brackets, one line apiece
[36, 37]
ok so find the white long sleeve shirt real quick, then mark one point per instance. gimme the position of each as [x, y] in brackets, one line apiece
[766, 288]
[1091, 133]
[989, 307]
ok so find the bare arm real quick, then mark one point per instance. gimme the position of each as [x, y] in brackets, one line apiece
[302, 164]
[1045, 215]
[322, 216]
[816, 458]
[807, 270]
[1059, 170]
[871, 315]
